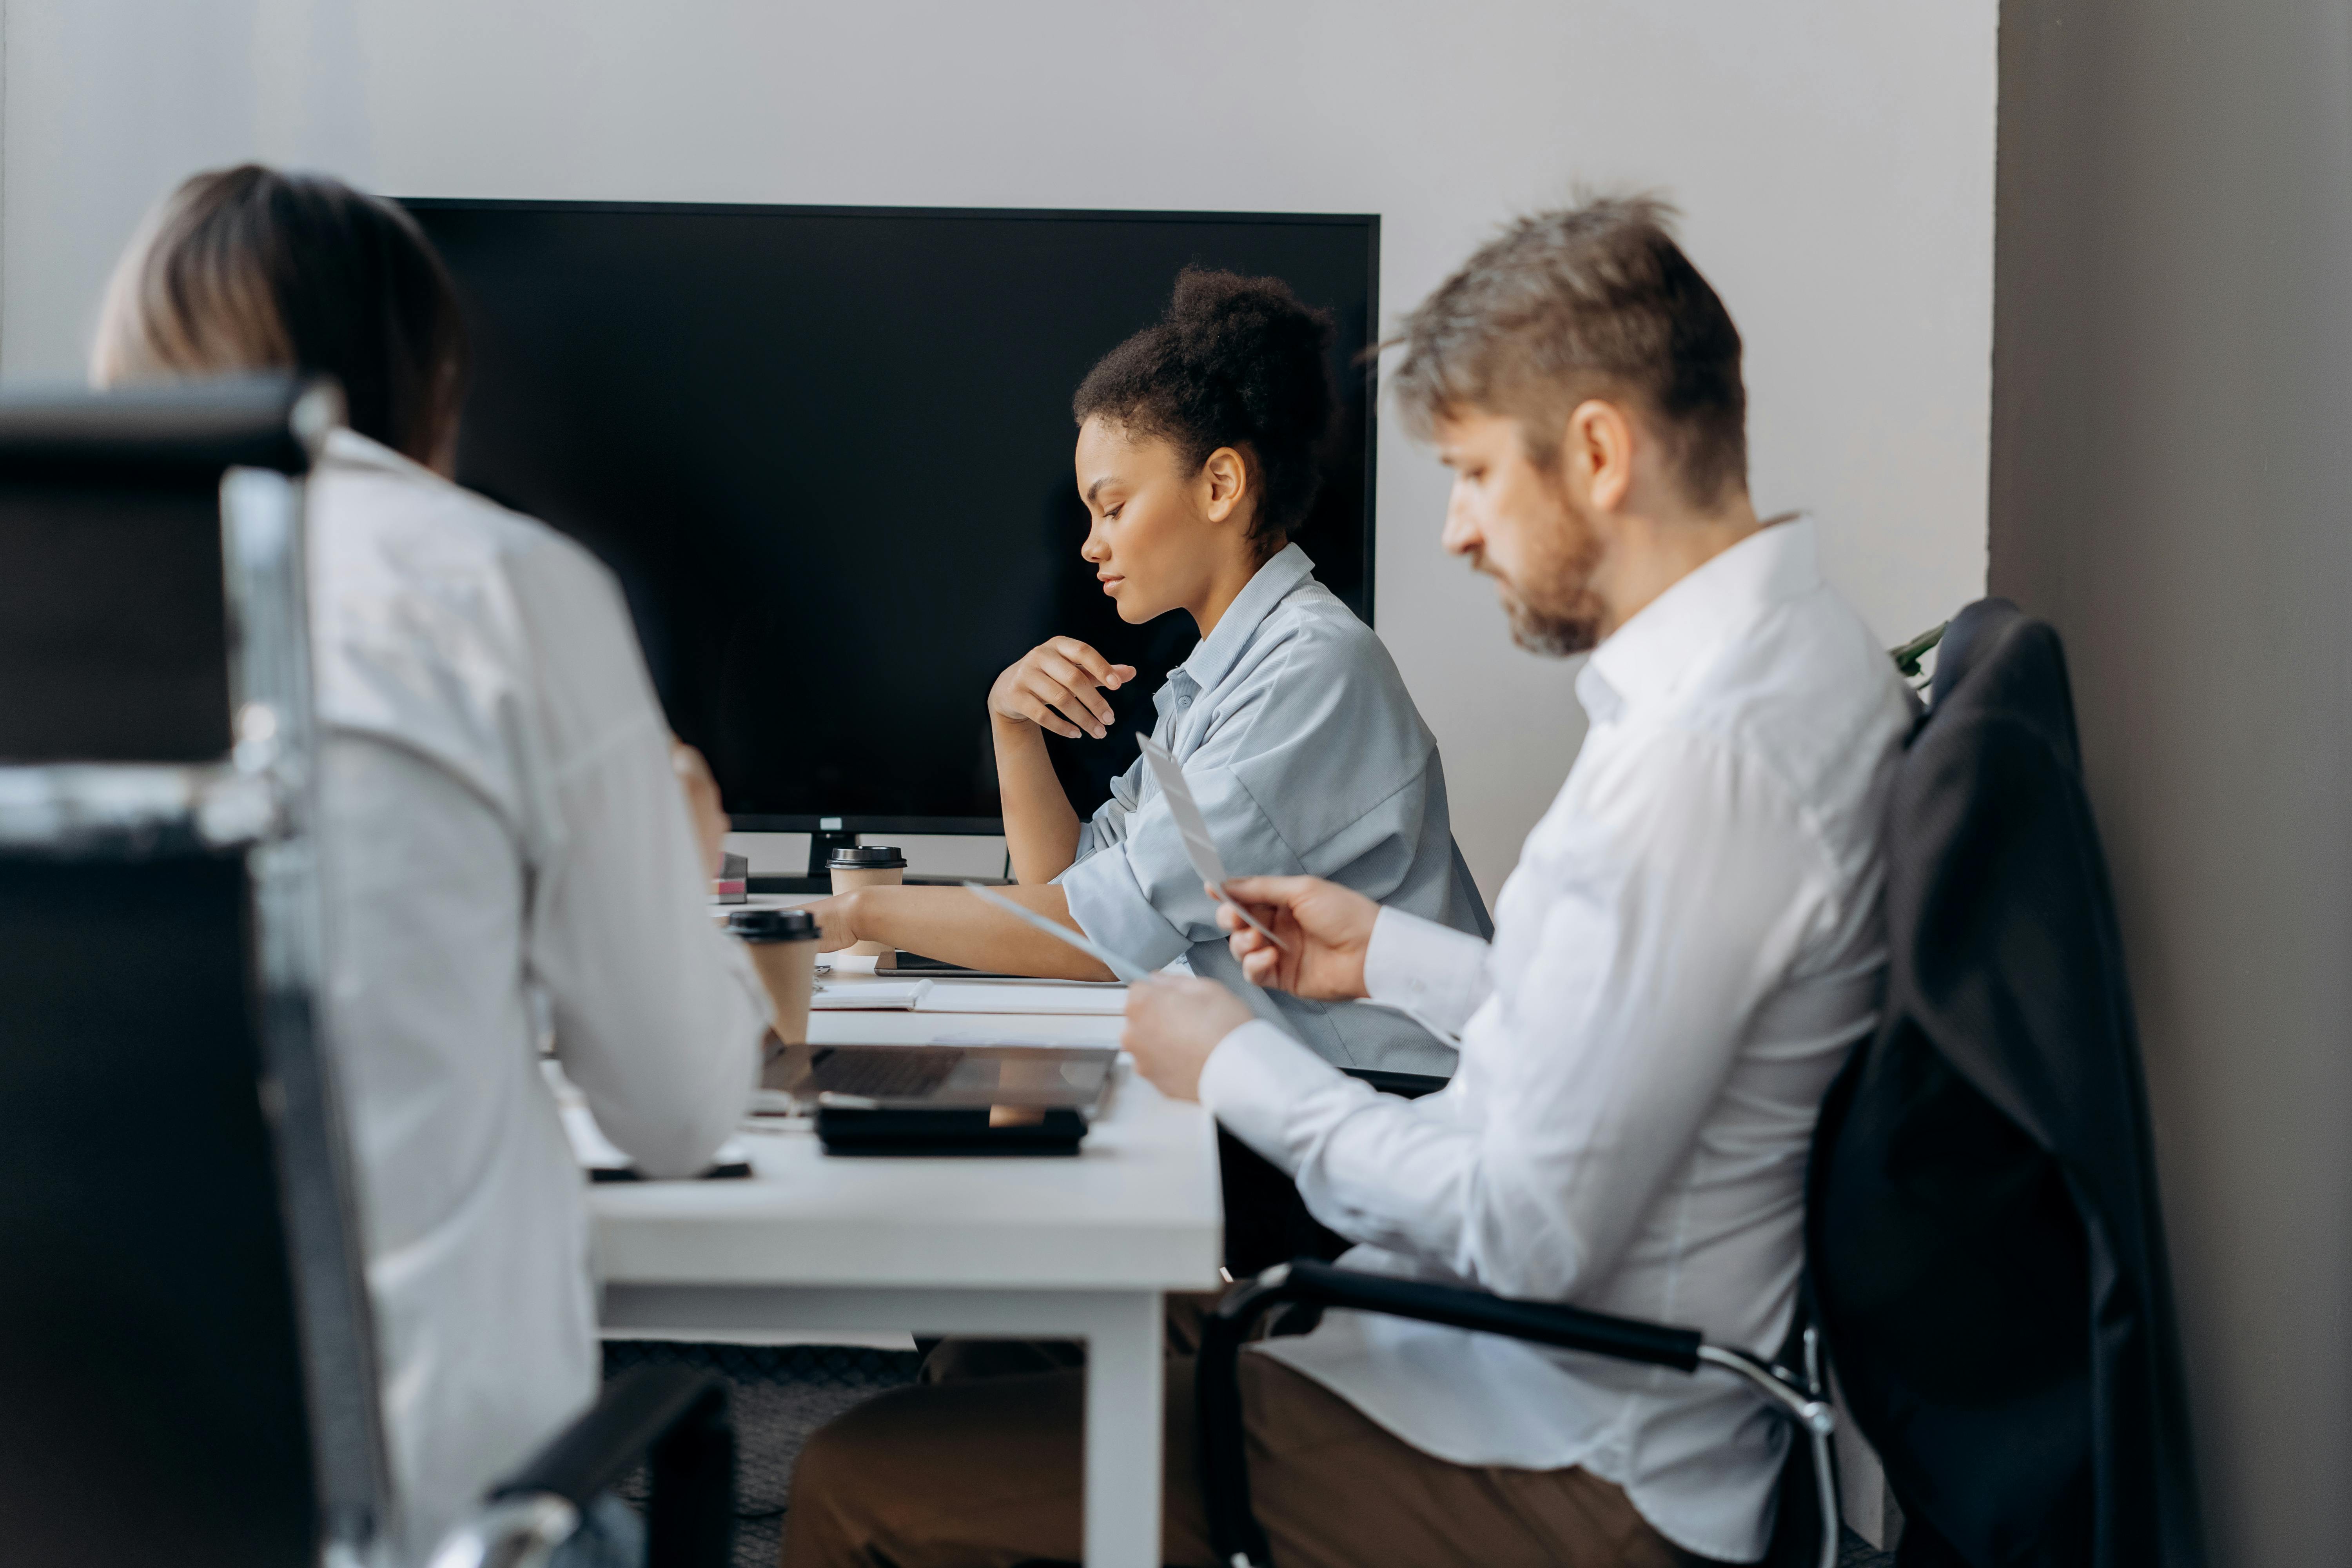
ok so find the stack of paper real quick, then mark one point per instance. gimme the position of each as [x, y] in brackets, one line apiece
[946, 996]
[881, 996]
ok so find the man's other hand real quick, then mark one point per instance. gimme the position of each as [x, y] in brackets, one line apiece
[1325, 926]
[1172, 1024]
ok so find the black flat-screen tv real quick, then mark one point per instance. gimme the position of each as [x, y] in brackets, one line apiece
[827, 451]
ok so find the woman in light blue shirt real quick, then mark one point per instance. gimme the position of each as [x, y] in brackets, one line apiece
[1199, 441]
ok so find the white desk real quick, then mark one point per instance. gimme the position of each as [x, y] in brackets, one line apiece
[1067, 1248]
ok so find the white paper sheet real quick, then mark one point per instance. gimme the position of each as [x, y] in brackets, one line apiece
[946, 996]
[882, 995]
[1194, 828]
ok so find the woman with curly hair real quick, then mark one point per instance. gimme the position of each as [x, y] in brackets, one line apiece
[1200, 450]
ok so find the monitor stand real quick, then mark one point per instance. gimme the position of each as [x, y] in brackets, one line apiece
[818, 876]
[822, 844]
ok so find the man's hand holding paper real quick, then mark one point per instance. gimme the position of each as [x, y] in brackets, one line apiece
[1325, 931]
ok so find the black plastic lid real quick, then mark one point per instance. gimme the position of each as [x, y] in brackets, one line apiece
[869, 858]
[773, 925]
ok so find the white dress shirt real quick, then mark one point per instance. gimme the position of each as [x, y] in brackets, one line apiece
[503, 838]
[1689, 945]
[1306, 755]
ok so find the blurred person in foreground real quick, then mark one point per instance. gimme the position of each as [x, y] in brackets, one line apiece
[1690, 944]
[505, 843]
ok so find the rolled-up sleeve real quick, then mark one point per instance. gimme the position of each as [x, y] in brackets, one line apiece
[1108, 826]
[1140, 896]
[1110, 905]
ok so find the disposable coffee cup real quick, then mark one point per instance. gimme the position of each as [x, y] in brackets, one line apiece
[782, 945]
[867, 866]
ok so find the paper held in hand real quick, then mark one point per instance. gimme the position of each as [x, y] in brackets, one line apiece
[1125, 968]
[1195, 830]
[1211, 866]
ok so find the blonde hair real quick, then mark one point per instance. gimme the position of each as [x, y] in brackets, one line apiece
[250, 269]
[1582, 302]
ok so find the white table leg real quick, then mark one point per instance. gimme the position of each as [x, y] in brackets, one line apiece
[1126, 1339]
[1124, 1384]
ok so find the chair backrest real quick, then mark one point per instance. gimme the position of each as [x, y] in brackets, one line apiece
[1983, 1235]
[186, 1360]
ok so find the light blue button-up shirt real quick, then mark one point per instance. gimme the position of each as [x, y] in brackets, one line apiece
[1308, 757]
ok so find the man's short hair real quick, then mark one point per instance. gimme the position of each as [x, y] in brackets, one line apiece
[1594, 300]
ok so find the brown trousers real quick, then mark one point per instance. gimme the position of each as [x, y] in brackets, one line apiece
[981, 1469]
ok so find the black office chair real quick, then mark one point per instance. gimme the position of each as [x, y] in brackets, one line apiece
[1982, 1239]
[187, 1362]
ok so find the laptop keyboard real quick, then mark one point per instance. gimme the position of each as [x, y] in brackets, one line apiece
[895, 1072]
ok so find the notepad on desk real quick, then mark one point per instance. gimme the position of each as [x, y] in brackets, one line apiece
[973, 996]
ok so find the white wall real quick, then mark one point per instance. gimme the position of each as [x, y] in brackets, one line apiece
[1836, 158]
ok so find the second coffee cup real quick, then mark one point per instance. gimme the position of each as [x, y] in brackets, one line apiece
[867, 866]
[782, 945]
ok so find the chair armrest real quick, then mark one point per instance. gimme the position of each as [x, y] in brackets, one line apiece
[1308, 1282]
[671, 1419]
[1234, 1531]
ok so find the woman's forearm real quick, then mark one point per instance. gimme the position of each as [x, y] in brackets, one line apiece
[950, 925]
[1041, 830]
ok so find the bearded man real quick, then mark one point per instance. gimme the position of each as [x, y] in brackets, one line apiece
[1690, 946]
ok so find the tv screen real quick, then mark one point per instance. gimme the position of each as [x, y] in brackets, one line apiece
[827, 452]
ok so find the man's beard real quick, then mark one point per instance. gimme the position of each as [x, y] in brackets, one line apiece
[1550, 632]
[1554, 611]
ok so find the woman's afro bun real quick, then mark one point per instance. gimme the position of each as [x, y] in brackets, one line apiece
[1236, 362]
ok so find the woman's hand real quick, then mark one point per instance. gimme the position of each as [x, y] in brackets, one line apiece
[836, 921]
[1325, 928]
[1059, 686]
[702, 803]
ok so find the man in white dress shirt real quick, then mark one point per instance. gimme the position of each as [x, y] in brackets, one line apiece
[1690, 946]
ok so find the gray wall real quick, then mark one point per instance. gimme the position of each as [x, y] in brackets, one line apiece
[2171, 481]
[1835, 157]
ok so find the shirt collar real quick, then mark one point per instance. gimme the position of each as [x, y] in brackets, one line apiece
[1677, 633]
[345, 444]
[1213, 659]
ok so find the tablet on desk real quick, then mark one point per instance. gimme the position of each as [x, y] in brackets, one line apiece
[987, 1100]
[904, 962]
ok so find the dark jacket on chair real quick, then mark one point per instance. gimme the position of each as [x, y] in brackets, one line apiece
[1983, 1221]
